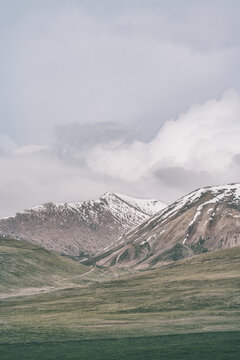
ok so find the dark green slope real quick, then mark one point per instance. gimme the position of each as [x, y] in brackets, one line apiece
[203, 346]
[24, 265]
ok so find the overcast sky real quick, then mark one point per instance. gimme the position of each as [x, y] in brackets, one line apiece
[140, 97]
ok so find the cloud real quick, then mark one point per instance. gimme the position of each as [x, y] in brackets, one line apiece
[236, 159]
[202, 140]
[32, 175]
[30, 178]
[87, 135]
[35, 174]
[31, 149]
[6, 145]
[200, 147]
[178, 177]
[86, 90]
[74, 140]
[132, 64]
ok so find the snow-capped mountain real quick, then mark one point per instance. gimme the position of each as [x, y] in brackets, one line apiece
[204, 220]
[80, 229]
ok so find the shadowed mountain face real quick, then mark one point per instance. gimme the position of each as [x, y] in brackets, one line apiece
[205, 220]
[80, 229]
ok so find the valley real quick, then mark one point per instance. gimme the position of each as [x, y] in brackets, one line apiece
[194, 296]
[146, 304]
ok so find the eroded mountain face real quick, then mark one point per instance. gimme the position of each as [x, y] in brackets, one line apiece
[80, 229]
[204, 220]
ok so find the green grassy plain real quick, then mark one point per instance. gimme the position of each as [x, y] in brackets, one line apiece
[186, 310]
[220, 346]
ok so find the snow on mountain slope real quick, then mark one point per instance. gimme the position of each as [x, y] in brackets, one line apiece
[204, 220]
[119, 205]
[79, 229]
[149, 207]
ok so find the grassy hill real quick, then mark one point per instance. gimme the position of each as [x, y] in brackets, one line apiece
[197, 295]
[25, 266]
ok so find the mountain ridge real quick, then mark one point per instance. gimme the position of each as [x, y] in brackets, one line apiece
[203, 220]
[79, 229]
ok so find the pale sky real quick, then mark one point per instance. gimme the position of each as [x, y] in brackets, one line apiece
[139, 97]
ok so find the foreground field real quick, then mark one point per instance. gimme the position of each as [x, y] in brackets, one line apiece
[220, 346]
[125, 316]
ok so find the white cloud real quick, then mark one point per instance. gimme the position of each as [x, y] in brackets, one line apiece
[31, 149]
[205, 138]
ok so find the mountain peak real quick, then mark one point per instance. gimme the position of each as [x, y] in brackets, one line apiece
[148, 207]
[80, 227]
[204, 220]
[220, 191]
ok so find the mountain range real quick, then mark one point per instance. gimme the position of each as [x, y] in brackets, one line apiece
[204, 220]
[121, 231]
[80, 229]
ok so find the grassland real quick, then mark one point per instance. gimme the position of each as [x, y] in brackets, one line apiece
[220, 346]
[24, 265]
[187, 310]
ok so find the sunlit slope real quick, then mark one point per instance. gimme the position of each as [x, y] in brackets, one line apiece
[24, 265]
[200, 294]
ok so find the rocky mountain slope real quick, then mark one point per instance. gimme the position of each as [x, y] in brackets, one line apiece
[202, 221]
[80, 229]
